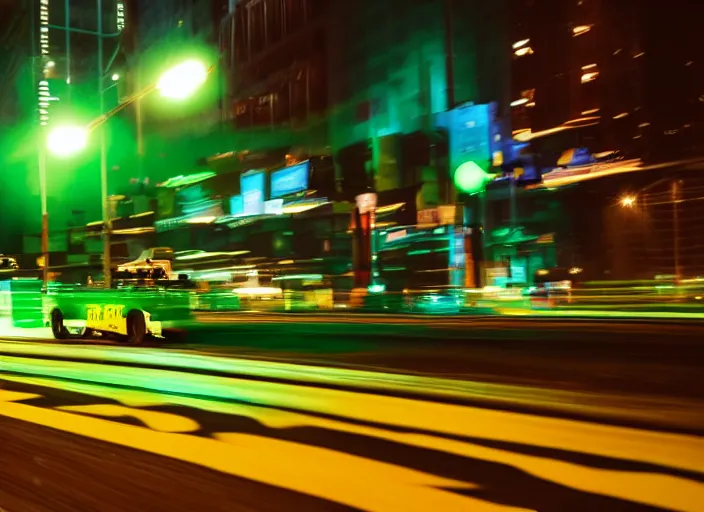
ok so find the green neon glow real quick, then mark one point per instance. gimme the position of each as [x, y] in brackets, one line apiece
[307, 277]
[190, 179]
[471, 178]
[67, 140]
[183, 80]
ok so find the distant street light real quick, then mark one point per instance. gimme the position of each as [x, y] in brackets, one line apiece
[178, 83]
[183, 80]
[628, 201]
[67, 140]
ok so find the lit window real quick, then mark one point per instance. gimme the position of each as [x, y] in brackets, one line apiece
[526, 50]
[522, 47]
[589, 77]
[526, 99]
[521, 44]
[581, 29]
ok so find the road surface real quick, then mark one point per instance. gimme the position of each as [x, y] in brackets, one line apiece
[607, 355]
[182, 442]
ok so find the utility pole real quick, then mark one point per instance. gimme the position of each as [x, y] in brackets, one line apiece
[67, 23]
[37, 64]
[139, 121]
[675, 192]
[45, 210]
[107, 214]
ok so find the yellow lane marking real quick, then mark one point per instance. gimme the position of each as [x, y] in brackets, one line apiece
[671, 450]
[391, 489]
[653, 489]
[659, 490]
[352, 479]
[160, 421]
[14, 396]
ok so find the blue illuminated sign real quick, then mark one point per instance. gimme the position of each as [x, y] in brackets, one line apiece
[470, 129]
[252, 188]
[290, 180]
[237, 205]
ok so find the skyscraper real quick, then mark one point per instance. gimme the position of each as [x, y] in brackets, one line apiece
[611, 75]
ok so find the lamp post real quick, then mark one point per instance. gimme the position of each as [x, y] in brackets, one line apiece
[177, 83]
[631, 201]
[45, 215]
[107, 217]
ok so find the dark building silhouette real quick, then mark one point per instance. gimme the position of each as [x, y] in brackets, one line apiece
[611, 75]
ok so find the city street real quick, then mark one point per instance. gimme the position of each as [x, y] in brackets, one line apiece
[166, 440]
[446, 414]
[661, 357]
[254, 257]
[629, 357]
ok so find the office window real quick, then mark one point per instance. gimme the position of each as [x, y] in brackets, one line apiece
[295, 14]
[274, 19]
[257, 26]
[241, 35]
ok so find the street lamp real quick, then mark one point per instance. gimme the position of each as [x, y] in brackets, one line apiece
[183, 80]
[628, 201]
[65, 141]
[178, 82]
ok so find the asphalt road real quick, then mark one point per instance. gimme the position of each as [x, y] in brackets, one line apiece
[662, 358]
[69, 445]
[616, 356]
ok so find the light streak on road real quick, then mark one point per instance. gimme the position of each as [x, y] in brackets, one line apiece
[367, 483]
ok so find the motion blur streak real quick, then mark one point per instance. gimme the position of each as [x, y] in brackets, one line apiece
[665, 491]
[160, 421]
[637, 466]
[623, 443]
[356, 481]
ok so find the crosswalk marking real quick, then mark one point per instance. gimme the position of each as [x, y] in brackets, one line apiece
[13, 396]
[159, 421]
[264, 460]
[281, 468]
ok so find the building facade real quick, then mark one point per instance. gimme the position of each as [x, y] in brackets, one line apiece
[625, 72]
[596, 87]
[52, 76]
[274, 56]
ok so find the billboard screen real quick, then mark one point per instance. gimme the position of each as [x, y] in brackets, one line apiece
[470, 129]
[252, 188]
[290, 180]
[237, 205]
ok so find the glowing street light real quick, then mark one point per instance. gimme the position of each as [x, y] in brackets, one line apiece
[115, 77]
[470, 178]
[67, 140]
[183, 80]
[628, 201]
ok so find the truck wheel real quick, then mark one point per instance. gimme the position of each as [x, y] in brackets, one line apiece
[136, 327]
[58, 328]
